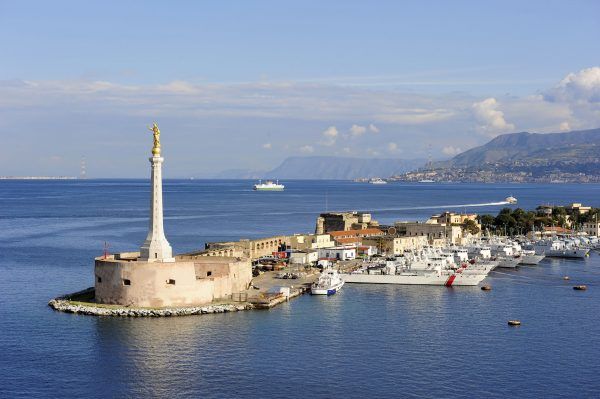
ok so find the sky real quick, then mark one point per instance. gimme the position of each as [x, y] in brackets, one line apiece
[246, 84]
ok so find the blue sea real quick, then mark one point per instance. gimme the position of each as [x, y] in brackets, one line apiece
[366, 341]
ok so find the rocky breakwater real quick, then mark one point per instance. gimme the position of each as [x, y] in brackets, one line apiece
[70, 304]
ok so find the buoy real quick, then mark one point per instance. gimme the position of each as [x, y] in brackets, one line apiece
[514, 322]
[580, 287]
[566, 278]
[486, 287]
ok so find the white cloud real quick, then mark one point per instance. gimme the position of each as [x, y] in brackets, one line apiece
[267, 146]
[357, 130]
[330, 136]
[373, 128]
[415, 116]
[581, 86]
[491, 119]
[392, 147]
[451, 150]
[579, 95]
[347, 150]
[564, 127]
[372, 152]
[178, 87]
[307, 149]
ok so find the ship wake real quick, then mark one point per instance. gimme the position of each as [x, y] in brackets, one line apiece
[443, 206]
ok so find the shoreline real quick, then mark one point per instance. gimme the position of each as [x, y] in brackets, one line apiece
[79, 303]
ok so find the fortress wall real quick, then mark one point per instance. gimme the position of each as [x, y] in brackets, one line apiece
[150, 285]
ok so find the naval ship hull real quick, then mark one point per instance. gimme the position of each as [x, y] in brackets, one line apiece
[415, 279]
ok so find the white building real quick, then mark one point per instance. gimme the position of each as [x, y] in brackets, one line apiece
[304, 257]
[339, 253]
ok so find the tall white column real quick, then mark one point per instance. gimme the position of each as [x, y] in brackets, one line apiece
[156, 248]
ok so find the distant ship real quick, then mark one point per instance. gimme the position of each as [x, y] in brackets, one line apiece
[426, 181]
[511, 200]
[377, 180]
[268, 185]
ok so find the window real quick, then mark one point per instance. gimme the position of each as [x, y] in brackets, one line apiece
[98, 279]
[126, 281]
[208, 274]
[171, 281]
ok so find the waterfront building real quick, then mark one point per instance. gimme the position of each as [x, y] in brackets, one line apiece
[252, 249]
[338, 253]
[341, 221]
[433, 231]
[153, 277]
[453, 218]
[577, 207]
[304, 257]
[592, 228]
[394, 245]
[310, 241]
[354, 237]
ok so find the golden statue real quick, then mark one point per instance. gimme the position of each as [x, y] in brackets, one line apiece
[156, 149]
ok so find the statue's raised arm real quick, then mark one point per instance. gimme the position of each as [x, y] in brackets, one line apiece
[156, 133]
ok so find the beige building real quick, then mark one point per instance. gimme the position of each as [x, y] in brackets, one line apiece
[592, 228]
[391, 245]
[577, 207]
[310, 241]
[252, 249]
[450, 218]
[340, 221]
[433, 231]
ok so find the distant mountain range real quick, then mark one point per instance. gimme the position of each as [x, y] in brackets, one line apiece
[577, 146]
[522, 157]
[328, 167]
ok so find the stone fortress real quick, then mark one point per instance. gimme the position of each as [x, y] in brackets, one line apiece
[153, 277]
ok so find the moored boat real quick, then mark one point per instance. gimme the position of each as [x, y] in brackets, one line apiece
[329, 282]
[529, 257]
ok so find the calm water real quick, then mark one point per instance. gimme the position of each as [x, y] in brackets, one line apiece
[367, 341]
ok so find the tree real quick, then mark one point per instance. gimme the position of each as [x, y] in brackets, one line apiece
[487, 221]
[470, 226]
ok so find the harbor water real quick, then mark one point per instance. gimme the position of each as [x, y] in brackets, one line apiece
[365, 341]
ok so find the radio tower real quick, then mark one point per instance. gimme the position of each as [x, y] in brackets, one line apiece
[83, 171]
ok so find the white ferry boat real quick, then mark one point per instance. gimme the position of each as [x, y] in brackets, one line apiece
[328, 283]
[268, 185]
[377, 180]
[510, 200]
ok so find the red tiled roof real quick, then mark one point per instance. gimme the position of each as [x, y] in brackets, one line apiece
[557, 229]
